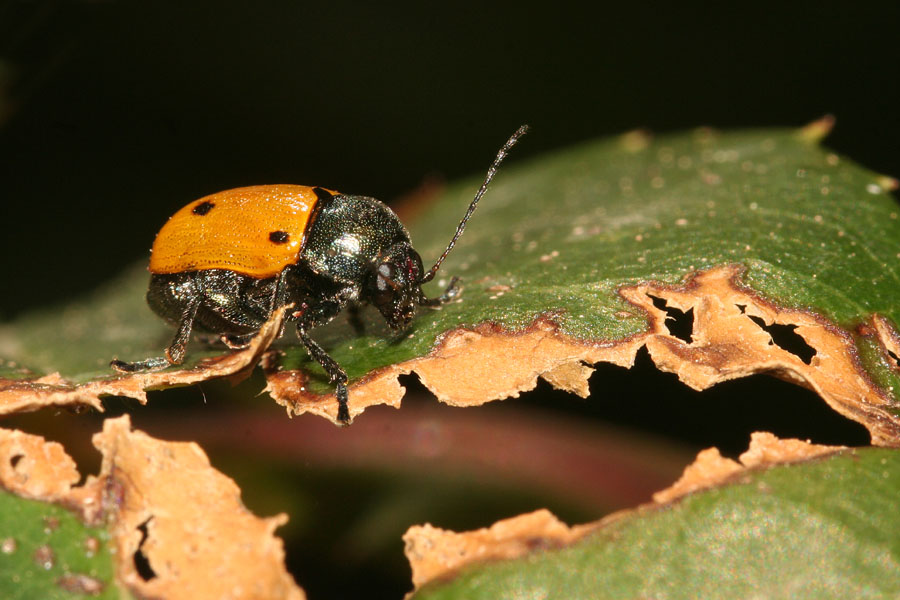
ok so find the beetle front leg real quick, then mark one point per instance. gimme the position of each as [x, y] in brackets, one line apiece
[335, 372]
[450, 293]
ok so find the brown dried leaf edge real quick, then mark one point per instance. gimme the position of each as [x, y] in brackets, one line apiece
[436, 554]
[472, 366]
[726, 343]
[162, 499]
[23, 395]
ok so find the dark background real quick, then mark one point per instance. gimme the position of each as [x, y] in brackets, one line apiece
[115, 114]
[119, 113]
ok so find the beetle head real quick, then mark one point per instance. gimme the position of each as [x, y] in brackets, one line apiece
[394, 288]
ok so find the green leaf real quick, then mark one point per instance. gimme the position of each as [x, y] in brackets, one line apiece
[79, 339]
[815, 232]
[47, 552]
[819, 530]
[558, 238]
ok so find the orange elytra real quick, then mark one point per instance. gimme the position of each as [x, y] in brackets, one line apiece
[256, 231]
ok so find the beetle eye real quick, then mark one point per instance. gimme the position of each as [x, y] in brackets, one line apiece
[387, 274]
[385, 286]
[393, 285]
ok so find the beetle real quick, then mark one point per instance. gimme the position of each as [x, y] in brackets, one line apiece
[226, 262]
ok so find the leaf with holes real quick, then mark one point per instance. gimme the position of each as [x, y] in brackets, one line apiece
[157, 522]
[725, 254]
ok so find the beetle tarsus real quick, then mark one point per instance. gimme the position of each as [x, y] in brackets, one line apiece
[238, 342]
[451, 292]
[343, 413]
[150, 364]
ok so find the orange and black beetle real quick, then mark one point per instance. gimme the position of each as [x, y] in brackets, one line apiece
[225, 262]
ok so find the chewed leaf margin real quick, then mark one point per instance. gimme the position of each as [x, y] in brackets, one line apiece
[27, 394]
[729, 339]
[584, 256]
[160, 500]
[748, 510]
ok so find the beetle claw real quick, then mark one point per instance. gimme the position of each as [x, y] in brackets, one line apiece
[343, 413]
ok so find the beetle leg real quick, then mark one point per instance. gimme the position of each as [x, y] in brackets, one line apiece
[237, 342]
[334, 370]
[279, 297]
[157, 362]
[450, 293]
[175, 351]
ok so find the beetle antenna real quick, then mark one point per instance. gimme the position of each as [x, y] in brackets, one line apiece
[487, 180]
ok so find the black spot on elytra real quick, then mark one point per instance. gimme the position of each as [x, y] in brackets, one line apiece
[279, 237]
[203, 208]
[322, 194]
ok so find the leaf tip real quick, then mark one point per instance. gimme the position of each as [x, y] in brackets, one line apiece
[816, 131]
[635, 141]
[435, 553]
[710, 469]
[886, 182]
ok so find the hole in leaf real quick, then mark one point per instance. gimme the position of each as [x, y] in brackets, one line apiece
[787, 339]
[894, 357]
[75, 437]
[647, 399]
[140, 560]
[15, 458]
[679, 323]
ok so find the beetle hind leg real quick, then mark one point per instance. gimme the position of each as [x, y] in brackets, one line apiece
[150, 364]
[175, 351]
